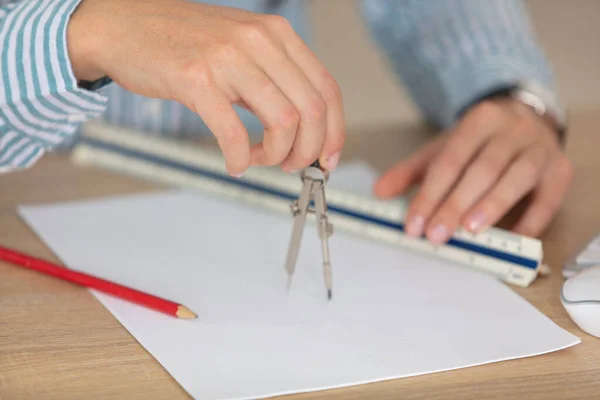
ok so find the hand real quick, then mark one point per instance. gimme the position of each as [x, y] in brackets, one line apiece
[208, 58]
[499, 152]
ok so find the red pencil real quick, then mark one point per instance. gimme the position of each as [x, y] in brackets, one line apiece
[132, 295]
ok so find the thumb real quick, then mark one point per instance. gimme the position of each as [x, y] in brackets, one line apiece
[403, 175]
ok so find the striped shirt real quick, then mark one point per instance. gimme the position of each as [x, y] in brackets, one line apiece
[447, 53]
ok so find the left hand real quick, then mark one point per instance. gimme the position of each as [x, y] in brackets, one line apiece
[471, 176]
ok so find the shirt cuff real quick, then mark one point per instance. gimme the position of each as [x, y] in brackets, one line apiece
[41, 105]
[465, 83]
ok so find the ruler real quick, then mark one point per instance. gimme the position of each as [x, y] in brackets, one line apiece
[512, 258]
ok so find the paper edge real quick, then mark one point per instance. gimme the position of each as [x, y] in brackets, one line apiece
[23, 209]
[576, 341]
[366, 382]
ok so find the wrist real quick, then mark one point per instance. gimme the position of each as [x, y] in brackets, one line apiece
[527, 101]
[545, 105]
[518, 107]
[84, 46]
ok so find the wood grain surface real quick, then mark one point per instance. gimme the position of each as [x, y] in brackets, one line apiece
[58, 342]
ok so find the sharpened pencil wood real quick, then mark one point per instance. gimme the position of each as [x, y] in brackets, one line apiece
[185, 313]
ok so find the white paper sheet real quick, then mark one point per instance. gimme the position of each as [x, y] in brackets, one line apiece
[355, 176]
[393, 314]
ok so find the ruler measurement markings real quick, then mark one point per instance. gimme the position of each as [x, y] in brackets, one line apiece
[381, 220]
[390, 224]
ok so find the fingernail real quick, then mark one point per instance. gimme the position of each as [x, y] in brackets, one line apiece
[237, 175]
[414, 227]
[332, 162]
[438, 234]
[476, 221]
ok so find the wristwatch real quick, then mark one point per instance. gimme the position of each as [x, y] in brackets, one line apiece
[540, 99]
[544, 104]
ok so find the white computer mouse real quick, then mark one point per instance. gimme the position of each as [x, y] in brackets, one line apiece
[580, 296]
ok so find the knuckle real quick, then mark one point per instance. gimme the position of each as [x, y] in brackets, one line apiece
[316, 111]
[226, 54]
[254, 32]
[289, 119]
[331, 90]
[266, 86]
[196, 74]
[278, 23]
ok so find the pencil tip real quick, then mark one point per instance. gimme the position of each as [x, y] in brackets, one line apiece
[329, 294]
[185, 313]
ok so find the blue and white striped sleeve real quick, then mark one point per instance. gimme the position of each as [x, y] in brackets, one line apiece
[449, 53]
[41, 105]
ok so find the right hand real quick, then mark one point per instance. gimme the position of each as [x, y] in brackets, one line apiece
[209, 58]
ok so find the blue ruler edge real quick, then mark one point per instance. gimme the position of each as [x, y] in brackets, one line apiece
[394, 225]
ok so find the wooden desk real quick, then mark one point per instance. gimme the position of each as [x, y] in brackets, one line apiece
[58, 342]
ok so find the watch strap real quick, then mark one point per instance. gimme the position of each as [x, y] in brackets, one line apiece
[95, 85]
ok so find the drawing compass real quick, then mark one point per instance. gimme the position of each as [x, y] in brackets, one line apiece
[311, 201]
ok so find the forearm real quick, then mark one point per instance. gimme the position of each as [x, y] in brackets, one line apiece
[41, 105]
[450, 53]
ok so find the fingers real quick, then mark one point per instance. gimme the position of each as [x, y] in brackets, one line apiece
[547, 198]
[493, 159]
[522, 176]
[443, 173]
[406, 173]
[264, 98]
[481, 176]
[325, 84]
[295, 85]
[220, 117]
